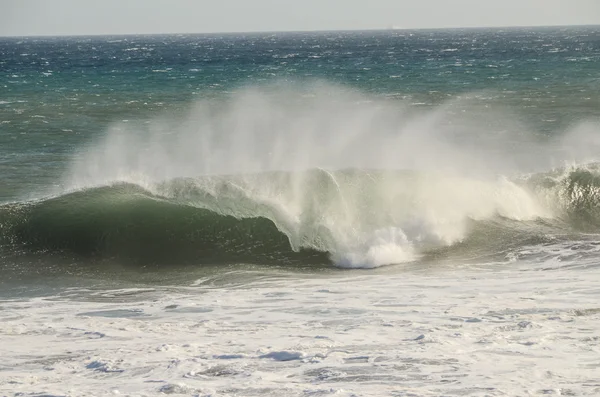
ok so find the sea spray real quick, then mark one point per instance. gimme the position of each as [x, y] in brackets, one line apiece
[367, 180]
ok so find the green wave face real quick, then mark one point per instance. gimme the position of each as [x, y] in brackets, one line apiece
[128, 224]
[349, 218]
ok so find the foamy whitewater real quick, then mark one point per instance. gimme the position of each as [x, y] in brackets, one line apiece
[369, 213]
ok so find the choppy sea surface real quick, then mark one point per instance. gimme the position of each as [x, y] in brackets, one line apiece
[407, 213]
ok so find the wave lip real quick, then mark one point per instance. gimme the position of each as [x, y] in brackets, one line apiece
[350, 218]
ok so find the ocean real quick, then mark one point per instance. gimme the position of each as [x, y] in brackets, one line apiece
[375, 213]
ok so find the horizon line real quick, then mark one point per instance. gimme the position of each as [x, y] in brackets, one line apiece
[392, 28]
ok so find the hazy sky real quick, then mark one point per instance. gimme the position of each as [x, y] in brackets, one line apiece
[54, 17]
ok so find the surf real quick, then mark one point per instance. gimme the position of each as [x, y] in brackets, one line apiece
[298, 173]
[348, 218]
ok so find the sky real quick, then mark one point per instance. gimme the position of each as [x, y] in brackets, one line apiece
[83, 17]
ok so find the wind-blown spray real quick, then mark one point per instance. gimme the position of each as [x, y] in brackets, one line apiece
[369, 181]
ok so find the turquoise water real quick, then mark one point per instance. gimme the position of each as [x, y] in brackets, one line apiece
[122, 131]
[58, 93]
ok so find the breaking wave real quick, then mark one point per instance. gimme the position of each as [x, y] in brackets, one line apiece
[351, 218]
[314, 174]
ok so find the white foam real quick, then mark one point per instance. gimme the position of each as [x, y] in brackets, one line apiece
[501, 330]
[383, 247]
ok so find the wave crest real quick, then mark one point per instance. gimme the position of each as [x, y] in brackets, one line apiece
[279, 172]
[352, 218]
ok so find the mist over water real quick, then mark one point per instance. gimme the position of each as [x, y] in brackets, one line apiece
[368, 180]
[302, 126]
